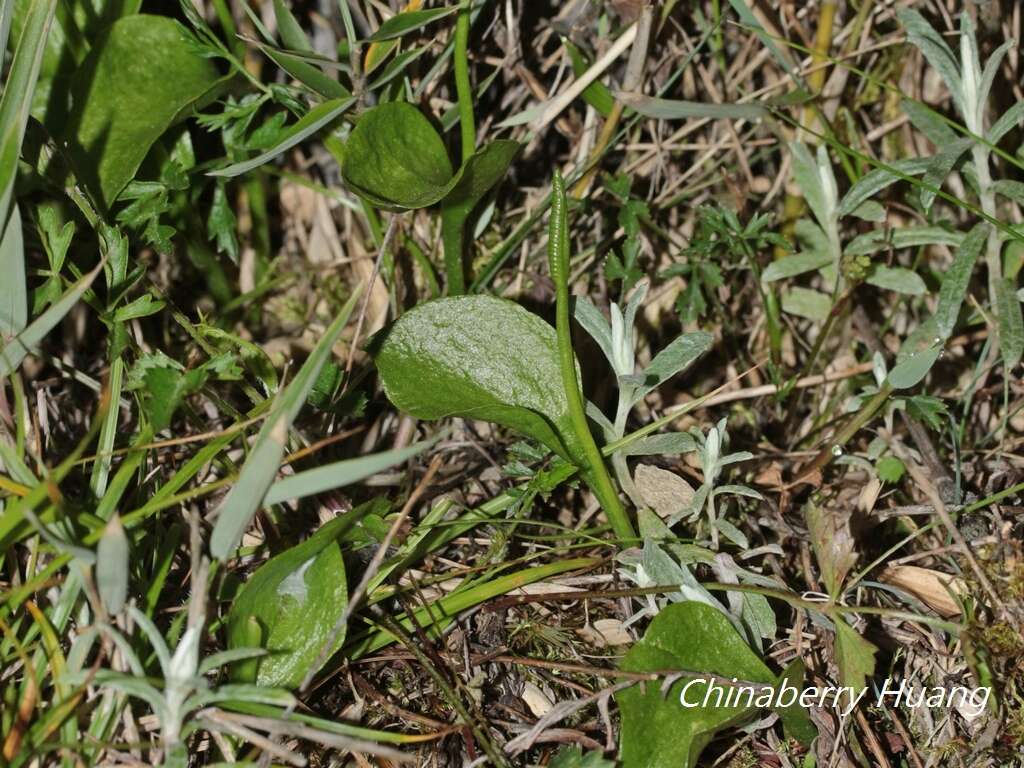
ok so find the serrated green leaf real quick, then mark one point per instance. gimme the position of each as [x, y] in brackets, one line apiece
[318, 117]
[297, 598]
[395, 158]
[855, 656]
[797, 264]
[890, 469]
[120, 111]
[479, 357]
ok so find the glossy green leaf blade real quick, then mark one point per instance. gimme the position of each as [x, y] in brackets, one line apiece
[307, 125]
[296, 597]
[340, 473]
[657, 731]
[1011, 326]
[482, 171]
[395, 158]
[954, 284]
[409, 21]
[140, 77]
[479, 357]
[15, 350]
[257, 475]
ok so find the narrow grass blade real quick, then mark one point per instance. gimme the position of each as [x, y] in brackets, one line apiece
[340, 473]
[237, 510]
[17, 96]
[13, 292]
[15, 350]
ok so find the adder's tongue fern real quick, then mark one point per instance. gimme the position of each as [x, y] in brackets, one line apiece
[558, 262]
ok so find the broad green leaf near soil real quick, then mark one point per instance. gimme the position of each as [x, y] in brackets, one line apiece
[657, 731]
[479, 357]
[482, 171]
[395, 158]
[296, 598]
[142, 75]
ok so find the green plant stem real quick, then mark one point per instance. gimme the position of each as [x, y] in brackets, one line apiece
[558, 255]
[463, 89]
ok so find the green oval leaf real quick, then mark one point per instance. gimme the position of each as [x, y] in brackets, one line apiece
[395, 158]
[296, 598]
[479, 357]
[142, 76]
[657, 731]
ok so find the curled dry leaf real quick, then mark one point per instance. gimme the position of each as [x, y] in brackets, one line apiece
[665, 492]
[604, 633]
[937, 590]
[833, 544]
[538, 702]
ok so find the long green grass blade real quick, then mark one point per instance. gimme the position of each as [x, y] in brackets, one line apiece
[257, 475]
